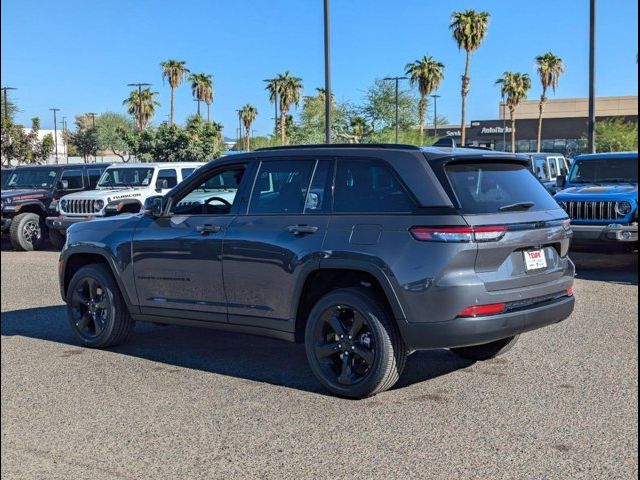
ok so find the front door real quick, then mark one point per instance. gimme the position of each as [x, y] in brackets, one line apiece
[269, 250]
[177, 258]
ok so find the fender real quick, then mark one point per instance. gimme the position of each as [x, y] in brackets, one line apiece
[37, 203]
[118, 271]
[116, 206]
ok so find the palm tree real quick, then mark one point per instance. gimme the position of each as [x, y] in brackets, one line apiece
[176, 72]
[359, 127]
[201, 87]
[514, 87]
[142, 106]
[248, 114]
[209, 100]
[273, 87]
[288, 89]
[469, 29]
[550, 67]
[427, 73]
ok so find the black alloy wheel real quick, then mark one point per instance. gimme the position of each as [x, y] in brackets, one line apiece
[90, 307]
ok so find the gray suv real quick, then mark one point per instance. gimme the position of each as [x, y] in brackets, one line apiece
[365, 253]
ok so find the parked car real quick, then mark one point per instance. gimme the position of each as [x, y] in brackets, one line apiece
[601, 197]
[5, 176]
[365, 253]
[547, 167]
[31, 192]
[122, 189]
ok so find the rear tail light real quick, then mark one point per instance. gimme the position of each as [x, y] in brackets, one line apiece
[458, 234]
[480, 310]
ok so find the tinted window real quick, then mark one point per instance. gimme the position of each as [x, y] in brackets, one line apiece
[126, 177]
[485, 187]
[186, 172]
[94, 175]
[369, 186]
[281, 187]
[74, 179]
[32, 178]
[167, 179]
[214, 196]
[605, 170]
[319, 195]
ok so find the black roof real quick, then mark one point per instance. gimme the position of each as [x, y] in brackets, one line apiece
[58, 166]
[386, 146]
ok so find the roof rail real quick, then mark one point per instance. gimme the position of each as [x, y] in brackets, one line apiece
[394, 146]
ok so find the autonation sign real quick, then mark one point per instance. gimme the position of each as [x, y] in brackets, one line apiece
[495, 130]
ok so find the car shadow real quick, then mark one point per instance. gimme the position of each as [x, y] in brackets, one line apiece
[243, 356]
[614, 268]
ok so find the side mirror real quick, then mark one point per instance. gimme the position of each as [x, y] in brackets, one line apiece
[561, 181]
[63, 185]
[154, 206]
[162, 184]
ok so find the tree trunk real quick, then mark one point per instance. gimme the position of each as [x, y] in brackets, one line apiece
[466, 82]
[422, 107]
[513, 129]
[283, 121]
[198, 108]
[543, 100]
[208, 113]
[247, 136]
[171, 111]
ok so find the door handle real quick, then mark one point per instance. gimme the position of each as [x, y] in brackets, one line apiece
[302, 229]
[207, 229]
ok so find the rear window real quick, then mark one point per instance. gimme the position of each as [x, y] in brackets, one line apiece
[488, 187]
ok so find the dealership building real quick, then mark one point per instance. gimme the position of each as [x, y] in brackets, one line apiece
[564, 126]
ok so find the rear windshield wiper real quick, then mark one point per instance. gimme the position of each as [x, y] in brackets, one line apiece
[517, 206]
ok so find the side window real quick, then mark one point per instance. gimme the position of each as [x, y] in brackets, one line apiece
[94, 175]
[167, 178]
[364, 186]
[213, 196]
[553, 167]
[319, 195]
[281, 187]
[541, 169]
[73, 178]
[186, 172]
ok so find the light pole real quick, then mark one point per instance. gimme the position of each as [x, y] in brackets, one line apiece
[275, 103]
[397, 80]
[327, 74]
[435, 114]
[6, 105]
[55, 130]
[592, 77]
[239, 125]
[93, 119]
[139, 86]
[64, 137]
[504, 125]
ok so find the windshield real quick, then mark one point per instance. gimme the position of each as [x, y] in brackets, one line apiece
[32, 178]
[605, 170]
[5, 176]
[126, 177]
[497, 187]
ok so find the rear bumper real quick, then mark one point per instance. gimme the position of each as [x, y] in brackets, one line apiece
[61, 223]
[462, 332]
[605, 233]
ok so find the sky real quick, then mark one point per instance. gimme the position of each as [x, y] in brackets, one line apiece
[79, 55]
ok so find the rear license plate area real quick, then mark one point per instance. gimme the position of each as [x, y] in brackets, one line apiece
[534, 260]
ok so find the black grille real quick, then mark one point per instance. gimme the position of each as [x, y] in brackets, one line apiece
[82, 207]
[593, 210]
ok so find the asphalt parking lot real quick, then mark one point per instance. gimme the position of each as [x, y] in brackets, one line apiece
[177, 402]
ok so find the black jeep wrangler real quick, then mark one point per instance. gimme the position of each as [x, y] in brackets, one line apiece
[32, 192]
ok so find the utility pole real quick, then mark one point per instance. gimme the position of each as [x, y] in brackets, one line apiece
[55, 130]
[435, 114]
[93, 119]
[327, 74]
[239, 126]
[6, 105]
[64, 137]
[397, 80]
[139, 86]
[592, 77]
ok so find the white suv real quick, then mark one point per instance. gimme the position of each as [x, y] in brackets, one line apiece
[122, 188]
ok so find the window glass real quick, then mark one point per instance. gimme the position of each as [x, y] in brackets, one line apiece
[32, 178]
[281, 187]
[74, 179]
[564, 166]
[214, 196]
[186, 172]
[94, 175]
[553, 167]
[167, 178]
[319, 195]
[126, 177]
[486, 187]
[369, 186]
[541, 169]
[610, 169]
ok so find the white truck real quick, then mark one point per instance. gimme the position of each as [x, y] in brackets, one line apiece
[122, 189]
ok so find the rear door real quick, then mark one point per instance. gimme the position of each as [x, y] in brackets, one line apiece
[536, 236]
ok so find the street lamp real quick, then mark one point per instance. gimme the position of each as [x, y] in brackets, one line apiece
[239, 125]
[592, 76]
[435, 114]
[6, 105]
[327, 74]
[139, 86]
[397, 80]
[55, 130]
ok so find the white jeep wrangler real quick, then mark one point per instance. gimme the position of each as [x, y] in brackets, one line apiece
[122, 188]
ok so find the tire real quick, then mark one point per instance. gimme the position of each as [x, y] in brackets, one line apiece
[26, 232]
[368, 361]
[487, 351]
[57, 239]
[96, 310]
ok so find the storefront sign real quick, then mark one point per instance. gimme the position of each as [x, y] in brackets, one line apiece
[494, 130]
